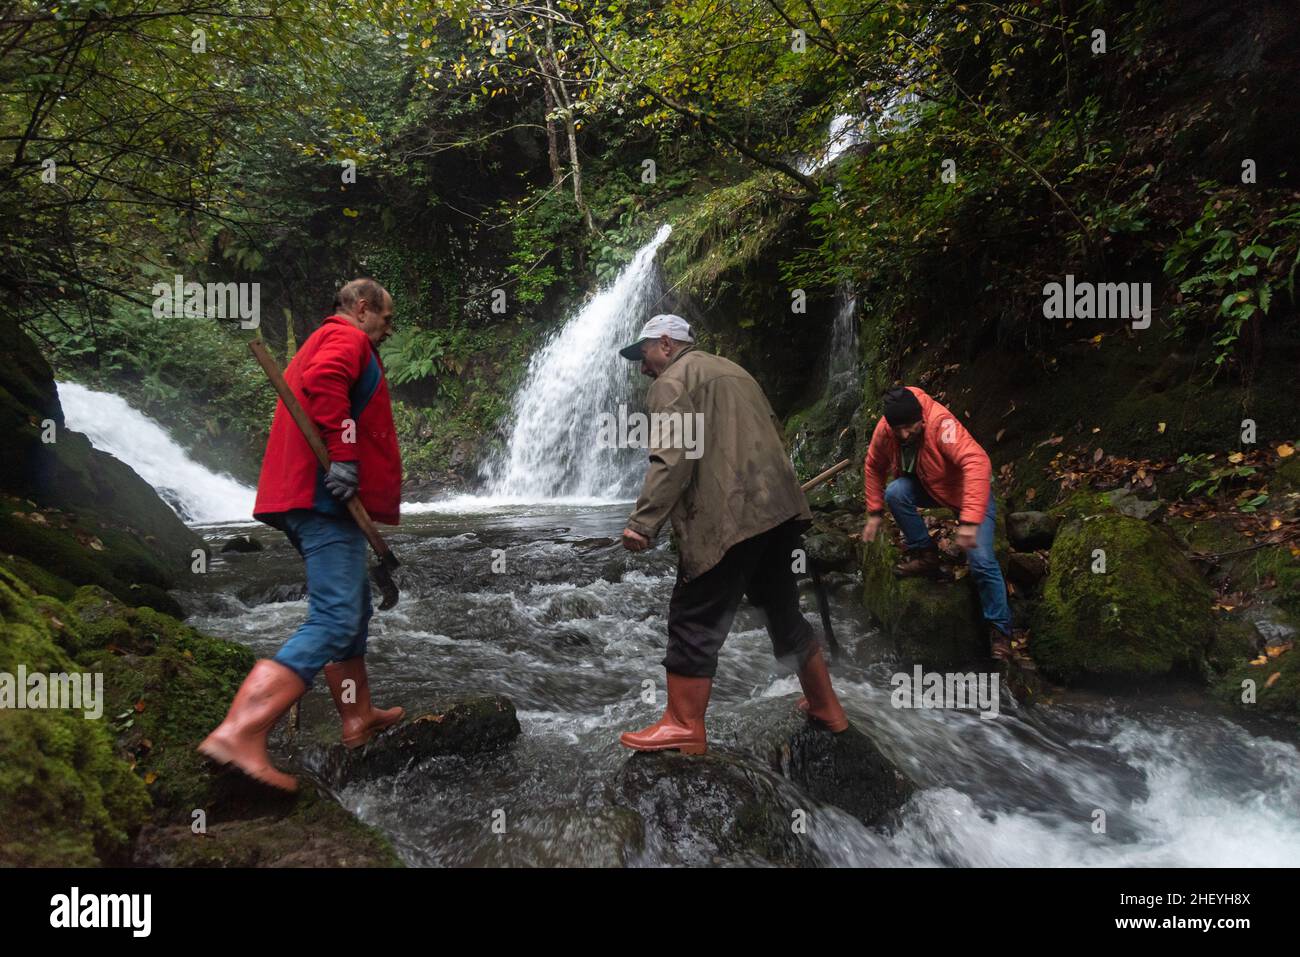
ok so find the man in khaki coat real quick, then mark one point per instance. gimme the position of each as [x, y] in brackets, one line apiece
[720, 473]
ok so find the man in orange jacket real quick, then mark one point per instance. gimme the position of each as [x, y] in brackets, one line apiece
[338, 378]
[939, 465]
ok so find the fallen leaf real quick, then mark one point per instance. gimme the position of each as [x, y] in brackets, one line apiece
[151, 777]
[1096, 456]
[1272, 679]
[139, 705]
[1277, 651]
[1285, 451]
[1030, 494]
[1261, 660]
[1235, 457]
[998, 437]
[1161, 428]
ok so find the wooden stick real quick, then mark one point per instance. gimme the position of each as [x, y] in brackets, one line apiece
[830, 473]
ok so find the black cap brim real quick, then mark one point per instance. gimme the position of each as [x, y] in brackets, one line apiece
[632, 352]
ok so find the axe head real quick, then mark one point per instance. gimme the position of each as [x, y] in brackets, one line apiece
[381, 573]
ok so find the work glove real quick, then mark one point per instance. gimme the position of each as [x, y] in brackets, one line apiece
[342, 480]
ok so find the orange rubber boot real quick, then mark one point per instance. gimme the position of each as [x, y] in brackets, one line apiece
[682, 726]
[267, 693]
[819, 701]
[361, 720]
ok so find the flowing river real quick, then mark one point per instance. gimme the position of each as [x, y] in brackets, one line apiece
[573, 626]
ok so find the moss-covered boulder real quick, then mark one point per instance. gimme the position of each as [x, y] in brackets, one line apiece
[125, 788]
[70, 514]
[67, 799]
[933, 623]
[1147, 614]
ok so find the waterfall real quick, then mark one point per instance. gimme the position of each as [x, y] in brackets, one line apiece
[197, 494]
[842, 354]
[552, 452]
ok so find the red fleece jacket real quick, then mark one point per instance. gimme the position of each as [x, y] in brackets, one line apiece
[338, 378]
[950, 465]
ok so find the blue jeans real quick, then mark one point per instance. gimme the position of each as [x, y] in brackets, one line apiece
[904, 496]
[338, 592]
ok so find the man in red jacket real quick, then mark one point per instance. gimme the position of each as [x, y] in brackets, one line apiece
[338, 378]
[939, 465]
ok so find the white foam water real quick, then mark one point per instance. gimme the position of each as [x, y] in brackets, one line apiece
[196, 493]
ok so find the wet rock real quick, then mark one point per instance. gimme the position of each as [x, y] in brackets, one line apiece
[258, 594]
[714, 808]
[1127, 502]
[318, 833]
[553, 837]
[846, 769]
[831, 550]
[936, 624]
[1026, 570]
[1147, 614]
[465, 725]
[241, 543]
[1029, 531]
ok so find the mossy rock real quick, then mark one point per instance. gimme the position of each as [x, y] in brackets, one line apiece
[68, 799]
[1147, 615]
[1247, 687]
[933, 623]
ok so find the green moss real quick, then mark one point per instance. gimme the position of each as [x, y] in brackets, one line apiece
[68, 799]
[1244, 680]
[1147, 614]
[932, 623]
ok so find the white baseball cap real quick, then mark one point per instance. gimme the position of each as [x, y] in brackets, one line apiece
[665, 324]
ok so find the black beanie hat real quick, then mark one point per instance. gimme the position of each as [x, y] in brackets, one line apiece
[901, 407]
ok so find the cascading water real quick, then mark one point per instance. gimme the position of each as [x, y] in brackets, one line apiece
[842, 355]
[553, 451]
[197, 494]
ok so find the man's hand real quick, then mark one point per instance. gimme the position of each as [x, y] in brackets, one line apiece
[342, 480]
[966, 533]
[635, 541]
[871, 528]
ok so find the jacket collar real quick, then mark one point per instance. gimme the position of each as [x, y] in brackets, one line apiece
[678, 355]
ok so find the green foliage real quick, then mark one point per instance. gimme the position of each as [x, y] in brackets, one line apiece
[1231, 265]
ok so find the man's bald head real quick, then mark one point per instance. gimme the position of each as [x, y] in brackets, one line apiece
[368, 305]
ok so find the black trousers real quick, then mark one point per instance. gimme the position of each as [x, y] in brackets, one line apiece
[701, 610]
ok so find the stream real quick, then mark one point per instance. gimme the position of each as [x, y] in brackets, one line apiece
[573, 625]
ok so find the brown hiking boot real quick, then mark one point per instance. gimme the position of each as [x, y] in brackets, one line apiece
[361, 720]
[918, 563]
[999, 643]
[266, 694]
[820, 702]
[682, 726]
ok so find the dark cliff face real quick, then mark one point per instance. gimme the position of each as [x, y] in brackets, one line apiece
[70, 514]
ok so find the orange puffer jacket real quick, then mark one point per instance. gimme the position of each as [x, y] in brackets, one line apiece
[950, 465]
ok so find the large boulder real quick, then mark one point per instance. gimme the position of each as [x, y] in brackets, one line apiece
[758, 801]
[714, 808]
[466, 725]
[1148, 614]
[70, 514]
[846, 769]
[934, 623]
